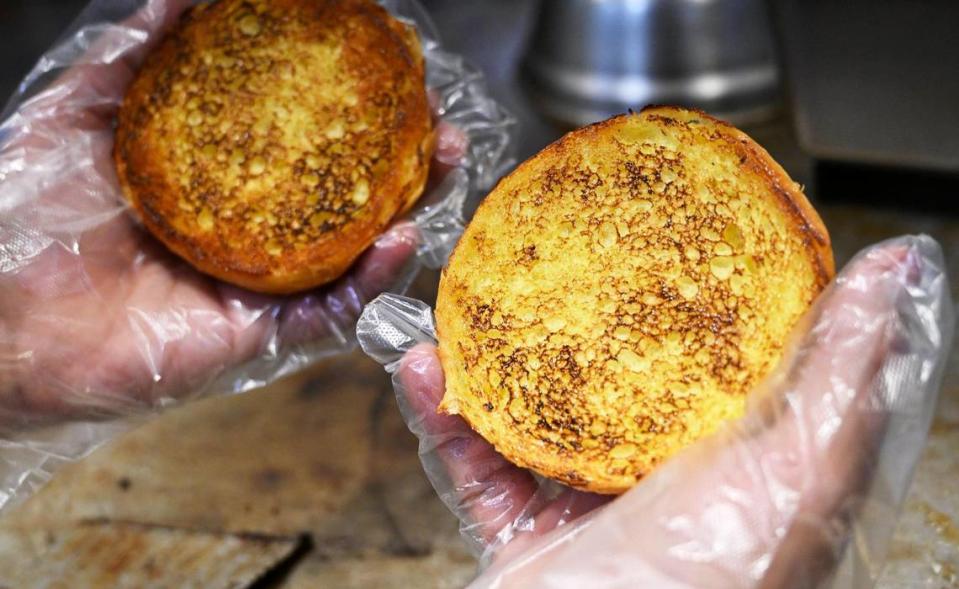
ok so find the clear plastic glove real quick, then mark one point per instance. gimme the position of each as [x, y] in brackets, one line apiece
[801, 492]
[98, 319]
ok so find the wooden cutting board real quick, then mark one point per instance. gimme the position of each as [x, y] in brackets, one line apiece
[322, 455]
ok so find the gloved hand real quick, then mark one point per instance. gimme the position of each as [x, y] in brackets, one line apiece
[95, 315]
[802, 492]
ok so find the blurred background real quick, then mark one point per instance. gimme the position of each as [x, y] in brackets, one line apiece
[858, 97]
[858, 100]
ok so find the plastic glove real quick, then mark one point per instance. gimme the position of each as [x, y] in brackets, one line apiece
[802, 492]
[96, 317]
[100, 326]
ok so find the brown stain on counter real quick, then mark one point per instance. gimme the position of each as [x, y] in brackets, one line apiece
[944, 525]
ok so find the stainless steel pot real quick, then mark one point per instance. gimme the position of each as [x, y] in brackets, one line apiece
[589, 59]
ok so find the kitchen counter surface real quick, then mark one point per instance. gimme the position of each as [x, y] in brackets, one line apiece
[358, 490]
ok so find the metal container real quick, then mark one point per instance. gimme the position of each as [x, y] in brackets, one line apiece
[589, 59]
[875, 83]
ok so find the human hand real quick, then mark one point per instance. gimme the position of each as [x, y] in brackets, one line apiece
[95, 315]
[774, 500]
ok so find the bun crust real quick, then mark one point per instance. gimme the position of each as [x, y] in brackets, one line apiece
[617, 296]
[268, 142]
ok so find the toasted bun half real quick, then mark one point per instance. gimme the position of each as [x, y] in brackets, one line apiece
[617, 296]
[268, 142]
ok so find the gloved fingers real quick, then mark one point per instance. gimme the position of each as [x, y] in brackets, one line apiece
[501, 506]
[569, 505]
[308, 317]
[165, 329]
[481, 487]
[861, 335]
[722, 514]
[451, 145]
[801, 465]
[541, 517]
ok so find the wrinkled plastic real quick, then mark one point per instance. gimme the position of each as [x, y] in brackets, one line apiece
[99, 326]
[803, 491]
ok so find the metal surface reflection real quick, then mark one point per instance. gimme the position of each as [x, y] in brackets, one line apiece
[588, 60]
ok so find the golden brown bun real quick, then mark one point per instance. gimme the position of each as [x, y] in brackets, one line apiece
[617, 296]
[268, 142]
